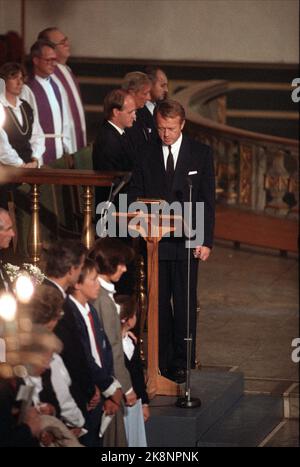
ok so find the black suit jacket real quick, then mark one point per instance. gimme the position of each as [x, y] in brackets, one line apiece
[143, 132]
[102, 377]
[111, 152]
[74, 357]
[146, 117]
[12, 434]
[135, 368]
[149, 180]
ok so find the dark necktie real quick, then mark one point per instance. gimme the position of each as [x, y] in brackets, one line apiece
[170, 168]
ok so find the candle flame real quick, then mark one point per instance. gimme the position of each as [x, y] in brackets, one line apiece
[8, 307]
[24, 288]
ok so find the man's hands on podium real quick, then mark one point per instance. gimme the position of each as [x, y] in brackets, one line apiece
[202, 252]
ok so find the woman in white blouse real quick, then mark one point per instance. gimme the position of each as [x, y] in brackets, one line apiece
[22, 141]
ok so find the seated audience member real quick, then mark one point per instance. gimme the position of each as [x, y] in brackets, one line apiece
[63, 261]
[33, 426]
[136, 434]
[80, 328]
[50, 102]
[54, 432]
[111, 256]
[12, 433]
[63, 76]
[46, 309]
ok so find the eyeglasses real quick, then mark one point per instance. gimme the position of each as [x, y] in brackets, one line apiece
[48, 60]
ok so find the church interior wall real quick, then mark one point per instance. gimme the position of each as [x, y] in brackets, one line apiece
[263, 31]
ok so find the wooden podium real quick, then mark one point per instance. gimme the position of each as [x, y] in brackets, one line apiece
[152, 227]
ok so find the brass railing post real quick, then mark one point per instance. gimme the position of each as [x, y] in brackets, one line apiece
[88, 232]
[34, 237]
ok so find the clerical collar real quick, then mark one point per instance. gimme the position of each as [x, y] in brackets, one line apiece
[43, 80]
[119, 130]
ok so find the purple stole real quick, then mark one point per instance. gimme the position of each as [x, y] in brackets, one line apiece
[45, 115]
[73, 105]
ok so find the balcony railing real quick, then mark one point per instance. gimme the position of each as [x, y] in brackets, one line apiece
[87, 179]
[254, 171]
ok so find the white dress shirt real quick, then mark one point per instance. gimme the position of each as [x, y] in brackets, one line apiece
[61, 382]
[150, 106]
[8, 155]
[109, 286]
[119, 130]
[59, 287]
[128, 346]
[175, 148]
[84, 311]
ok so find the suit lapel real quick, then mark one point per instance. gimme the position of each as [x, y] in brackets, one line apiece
[182, 166]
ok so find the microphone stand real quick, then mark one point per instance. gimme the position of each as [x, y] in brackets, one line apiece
[112, 194]
[188, 402]
[104, 213]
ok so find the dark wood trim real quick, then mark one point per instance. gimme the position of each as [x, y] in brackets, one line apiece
[45, 176]
[192, 63]
[250, 228]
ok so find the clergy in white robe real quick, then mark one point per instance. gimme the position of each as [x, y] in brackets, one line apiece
[52, 109]
[64, 76]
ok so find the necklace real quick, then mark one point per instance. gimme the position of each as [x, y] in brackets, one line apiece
[17, 123]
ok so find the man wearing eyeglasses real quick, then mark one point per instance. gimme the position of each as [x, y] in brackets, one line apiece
[51, 104]
[63, 76]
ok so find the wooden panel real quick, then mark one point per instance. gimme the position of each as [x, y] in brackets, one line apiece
[256, 229]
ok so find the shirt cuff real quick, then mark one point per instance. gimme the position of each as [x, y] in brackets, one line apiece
[111, 389]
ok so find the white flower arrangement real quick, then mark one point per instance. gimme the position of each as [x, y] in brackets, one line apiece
[32, 271]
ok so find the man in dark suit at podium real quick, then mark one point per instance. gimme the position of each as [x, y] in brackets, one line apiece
[165, 172]
[6, 234]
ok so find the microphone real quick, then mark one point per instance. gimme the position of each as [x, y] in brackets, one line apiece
[123, 182]
[190, 183]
